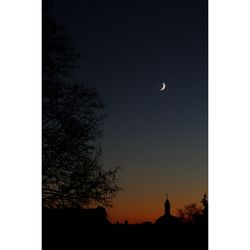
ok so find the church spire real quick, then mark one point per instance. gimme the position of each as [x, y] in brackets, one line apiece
[167, 207]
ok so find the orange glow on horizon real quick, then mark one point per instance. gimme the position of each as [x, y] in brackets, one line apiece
[138, 211]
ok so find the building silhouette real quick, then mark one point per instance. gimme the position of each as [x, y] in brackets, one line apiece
[167, 218]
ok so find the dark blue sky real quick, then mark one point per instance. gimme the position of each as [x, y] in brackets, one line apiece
[128, 48]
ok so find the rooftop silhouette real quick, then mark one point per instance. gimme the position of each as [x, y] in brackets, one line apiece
[167, 218]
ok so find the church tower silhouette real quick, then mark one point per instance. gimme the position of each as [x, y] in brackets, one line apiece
[167, 218]
[167, 207]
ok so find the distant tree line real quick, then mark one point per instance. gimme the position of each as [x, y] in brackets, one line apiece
[194, 214]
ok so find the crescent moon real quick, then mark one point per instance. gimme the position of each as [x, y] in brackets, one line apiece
[163, 86]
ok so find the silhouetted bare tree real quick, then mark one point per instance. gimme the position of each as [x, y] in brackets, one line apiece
[72, 116]
[190, 214]
[195, 214]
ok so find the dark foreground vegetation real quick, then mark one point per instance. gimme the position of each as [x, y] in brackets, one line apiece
[71, 231]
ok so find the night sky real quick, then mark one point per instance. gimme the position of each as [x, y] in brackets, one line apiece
[159, 139]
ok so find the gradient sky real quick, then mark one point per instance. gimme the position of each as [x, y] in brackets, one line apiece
[159, 139]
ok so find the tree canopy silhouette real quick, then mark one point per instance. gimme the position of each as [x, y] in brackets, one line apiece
[195, 214]
[72, 117]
